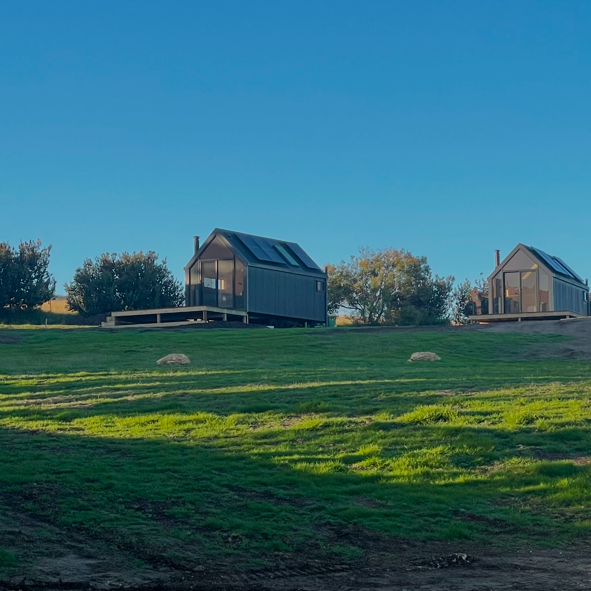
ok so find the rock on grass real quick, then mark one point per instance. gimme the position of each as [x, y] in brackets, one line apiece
[174, 359]
[424, 356]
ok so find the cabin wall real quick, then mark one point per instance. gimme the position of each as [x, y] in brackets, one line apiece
[276, 293]
[570, 297]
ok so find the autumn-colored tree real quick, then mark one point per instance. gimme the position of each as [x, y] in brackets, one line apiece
[389, 287]
[123, 282]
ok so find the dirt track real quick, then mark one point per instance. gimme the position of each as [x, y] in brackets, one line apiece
[416, 567]
[67, 559]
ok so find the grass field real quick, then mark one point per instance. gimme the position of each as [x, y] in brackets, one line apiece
[278, 446]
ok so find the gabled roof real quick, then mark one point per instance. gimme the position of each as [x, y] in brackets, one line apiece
[552, 264]
[265, 252]
[555, 264]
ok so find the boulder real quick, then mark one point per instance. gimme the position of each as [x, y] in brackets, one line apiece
[424, 356]
[174, 359]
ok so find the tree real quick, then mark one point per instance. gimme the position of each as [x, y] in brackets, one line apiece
[462, 304]
[25, 281]
[123, 282]
[469, 299]
[389, 287]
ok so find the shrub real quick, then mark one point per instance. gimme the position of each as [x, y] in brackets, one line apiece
[123, 282]
[25, 282]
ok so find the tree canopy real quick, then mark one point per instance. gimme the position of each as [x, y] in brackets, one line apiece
[25, 281]
[389, 287]
[123, 282]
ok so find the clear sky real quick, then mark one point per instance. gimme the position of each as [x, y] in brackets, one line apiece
[445, 128]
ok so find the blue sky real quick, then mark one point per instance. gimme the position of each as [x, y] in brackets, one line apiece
[445, 128]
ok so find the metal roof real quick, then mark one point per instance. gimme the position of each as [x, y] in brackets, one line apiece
[269, 251]
[555, 264]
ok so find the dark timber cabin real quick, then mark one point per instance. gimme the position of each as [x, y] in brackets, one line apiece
[235, 276]
[530, 284]
[273, 281]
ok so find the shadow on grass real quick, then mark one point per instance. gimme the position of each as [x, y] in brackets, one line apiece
[219, 498]
[283, 444]
[348, 392]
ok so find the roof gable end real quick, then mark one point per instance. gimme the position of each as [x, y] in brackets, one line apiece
[551, 264]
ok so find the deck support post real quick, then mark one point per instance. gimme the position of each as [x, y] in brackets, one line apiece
[245, 319]
[225, 317]
[158, 319]
[204, 315]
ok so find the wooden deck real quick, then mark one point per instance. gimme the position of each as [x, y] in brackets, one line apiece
[525, 316]
[169, 317]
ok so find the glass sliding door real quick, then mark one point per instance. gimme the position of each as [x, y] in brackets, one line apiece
[521, 293]
[194, 286]
[226, 284]
[222, 283]
[544, 291]
[209, 285]
[512, 293]
[497, 294]
[529, 282]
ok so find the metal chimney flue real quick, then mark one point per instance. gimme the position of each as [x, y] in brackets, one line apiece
[196, 243]
[497, 258]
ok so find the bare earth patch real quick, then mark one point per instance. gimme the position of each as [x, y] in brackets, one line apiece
[50, 554]
[58, 559]
[578, 331]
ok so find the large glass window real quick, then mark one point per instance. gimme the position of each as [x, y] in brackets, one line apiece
[194, 285]
[497, 294]
[216, 250]
[194, 274]
[209, 275]
[225, 284]
[520, 262]
[544, 291]
[521, 290]
[239, 285]
[527, 291]
[529, 282]
[512, 293]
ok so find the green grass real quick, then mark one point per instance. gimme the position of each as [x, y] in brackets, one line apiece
[7, 562]
[293, 443]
